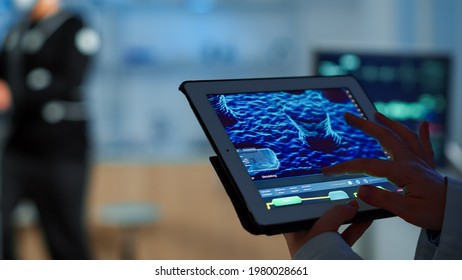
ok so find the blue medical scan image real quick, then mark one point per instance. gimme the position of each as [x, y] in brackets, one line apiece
[293, 133]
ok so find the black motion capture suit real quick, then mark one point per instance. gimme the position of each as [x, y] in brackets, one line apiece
[46, 152]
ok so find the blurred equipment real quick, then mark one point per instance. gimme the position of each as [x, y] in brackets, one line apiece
[406, 87]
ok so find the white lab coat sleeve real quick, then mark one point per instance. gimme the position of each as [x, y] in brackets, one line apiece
[449, 243]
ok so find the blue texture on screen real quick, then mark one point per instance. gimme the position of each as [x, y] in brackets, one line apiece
[305, 129]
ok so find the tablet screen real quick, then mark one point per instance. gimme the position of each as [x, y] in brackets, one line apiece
[285, 138]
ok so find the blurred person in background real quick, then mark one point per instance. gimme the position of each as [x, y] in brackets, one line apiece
[43, 62]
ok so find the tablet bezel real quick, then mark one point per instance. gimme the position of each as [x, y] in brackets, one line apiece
[197, 94]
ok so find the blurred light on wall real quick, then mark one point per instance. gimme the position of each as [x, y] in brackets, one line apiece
[5, 6]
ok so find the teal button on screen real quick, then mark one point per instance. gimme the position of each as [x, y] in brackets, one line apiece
[338, 195]
[287, 201]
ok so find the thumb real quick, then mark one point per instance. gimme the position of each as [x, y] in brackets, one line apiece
[354, 231]
[335, 217]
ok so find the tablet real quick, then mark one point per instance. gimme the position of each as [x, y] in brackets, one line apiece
[273, 136]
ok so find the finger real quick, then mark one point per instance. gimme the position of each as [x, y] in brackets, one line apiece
[390, 201]
[329, 222]
[393, 171]
[353, 232]
[427, 148]
[371, 166]
[386, 137]
[335, 217]
[408, 136]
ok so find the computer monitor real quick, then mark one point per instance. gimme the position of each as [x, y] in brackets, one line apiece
[409, 88]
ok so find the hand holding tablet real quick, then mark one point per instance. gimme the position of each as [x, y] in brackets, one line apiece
[411, 167]
[273, 137]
